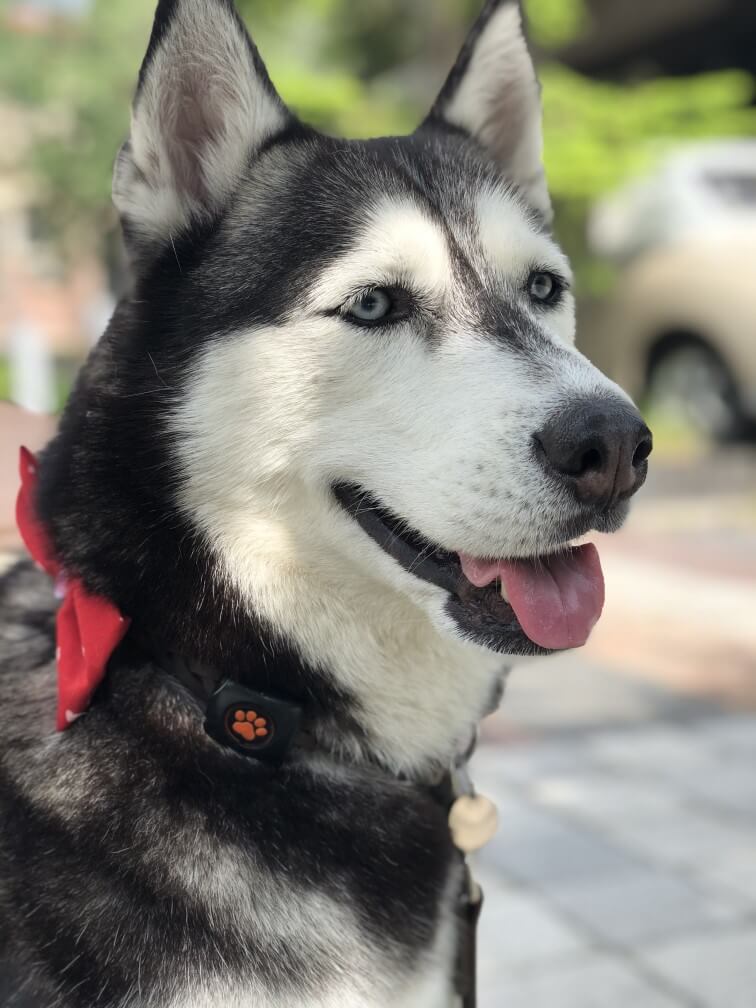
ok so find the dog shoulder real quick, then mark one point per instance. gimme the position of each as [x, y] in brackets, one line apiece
[27, 654]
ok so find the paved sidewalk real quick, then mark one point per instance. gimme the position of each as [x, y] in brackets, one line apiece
[624, 871]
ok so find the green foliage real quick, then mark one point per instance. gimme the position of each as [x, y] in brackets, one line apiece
[81, 74]
[598, 135]
[554, 22]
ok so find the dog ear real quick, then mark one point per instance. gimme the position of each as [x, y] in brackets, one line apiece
[492, 94]
[204, 104]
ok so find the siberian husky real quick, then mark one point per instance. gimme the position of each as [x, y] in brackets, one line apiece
[331, 451]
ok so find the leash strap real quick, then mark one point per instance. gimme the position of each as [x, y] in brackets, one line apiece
[470, 903]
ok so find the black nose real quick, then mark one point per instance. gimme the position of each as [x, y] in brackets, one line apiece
[599, 447]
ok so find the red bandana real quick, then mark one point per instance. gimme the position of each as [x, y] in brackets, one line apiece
[89, 627]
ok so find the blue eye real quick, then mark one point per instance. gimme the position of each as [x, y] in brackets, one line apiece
[544, 287]
[371, 306]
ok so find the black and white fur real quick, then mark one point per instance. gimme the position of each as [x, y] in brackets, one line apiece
[191, 482]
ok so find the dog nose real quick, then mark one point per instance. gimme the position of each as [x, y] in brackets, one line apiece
[599, 448]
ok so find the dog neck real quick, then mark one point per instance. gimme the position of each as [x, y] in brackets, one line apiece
[377, 682]
[412, 693]
[271, 728]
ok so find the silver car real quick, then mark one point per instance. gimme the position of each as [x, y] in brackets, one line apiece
[679, 328]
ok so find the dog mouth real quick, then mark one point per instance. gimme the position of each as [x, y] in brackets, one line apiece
[532, 605]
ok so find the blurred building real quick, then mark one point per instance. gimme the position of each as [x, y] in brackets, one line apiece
[39, 293]
[34, 286]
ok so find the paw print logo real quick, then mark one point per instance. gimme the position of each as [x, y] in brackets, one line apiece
[249, 726]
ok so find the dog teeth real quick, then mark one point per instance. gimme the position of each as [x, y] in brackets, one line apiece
[503, 591]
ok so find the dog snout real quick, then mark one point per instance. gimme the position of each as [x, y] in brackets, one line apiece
[599, 448]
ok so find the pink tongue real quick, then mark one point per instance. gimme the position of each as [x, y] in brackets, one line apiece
[557, 599]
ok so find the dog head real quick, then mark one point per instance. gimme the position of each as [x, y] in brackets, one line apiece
[363, 350]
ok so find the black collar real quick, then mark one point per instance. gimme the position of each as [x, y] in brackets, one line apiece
[261, 725]
[268, 726]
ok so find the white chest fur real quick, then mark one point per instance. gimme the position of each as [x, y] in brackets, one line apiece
[429, 987]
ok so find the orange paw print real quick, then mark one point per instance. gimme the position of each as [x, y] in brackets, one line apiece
[249, 726]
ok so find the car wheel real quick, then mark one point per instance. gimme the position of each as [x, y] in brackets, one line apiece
[690, 384]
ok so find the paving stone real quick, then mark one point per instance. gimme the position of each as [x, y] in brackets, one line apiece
[637, 838]
[657, 750]
[689, 838]
[503, 766]
[718, 970]
[643, 905]
[518, 929]
[733, 733]
[600, 982]
[534, 846]
[728, 786]
[735, 873]
[606, 798]
[567, 690]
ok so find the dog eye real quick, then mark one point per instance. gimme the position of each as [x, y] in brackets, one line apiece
[544, 287]
[370, 306]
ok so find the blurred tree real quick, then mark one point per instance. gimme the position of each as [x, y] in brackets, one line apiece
[554, 22]
[80, 72]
